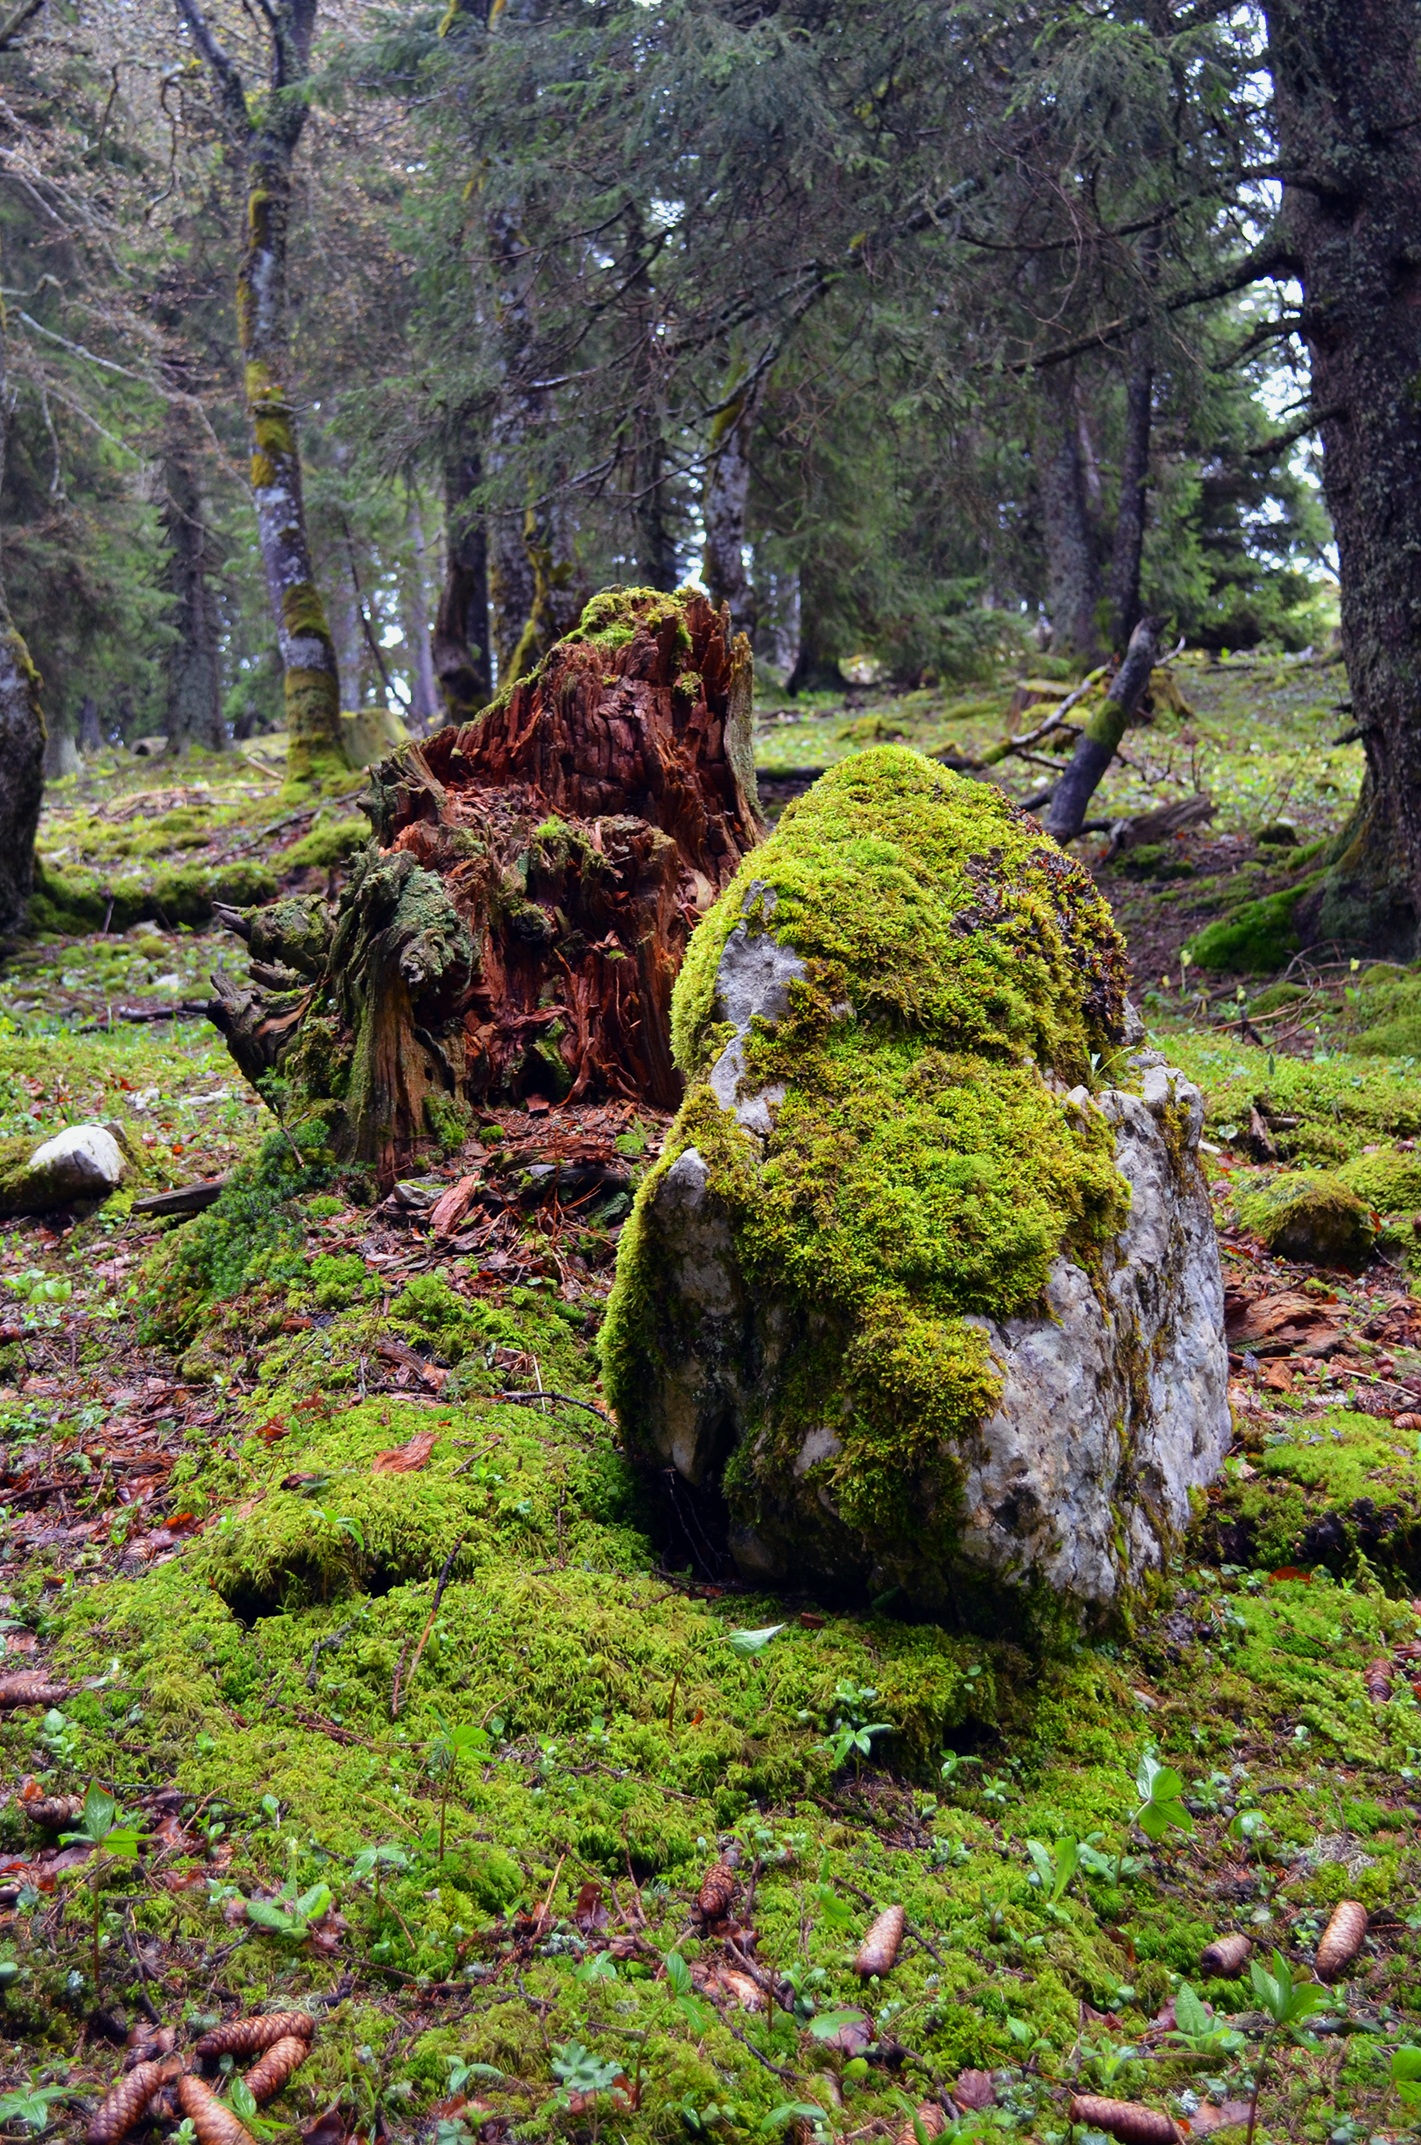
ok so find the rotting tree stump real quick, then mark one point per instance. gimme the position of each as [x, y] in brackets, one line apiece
[517, 923]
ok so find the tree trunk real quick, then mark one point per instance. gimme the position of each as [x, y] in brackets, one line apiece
[1129, 543]
[424, 692]
[727, 492]
[22, 736]
[462, 652]
[1100, 739]
[1345, 89]
[194, 665]
[91, 736]
[1072, 586]
[815, 669]
[538, 876]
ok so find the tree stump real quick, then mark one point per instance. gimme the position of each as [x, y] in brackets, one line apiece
[518, 921]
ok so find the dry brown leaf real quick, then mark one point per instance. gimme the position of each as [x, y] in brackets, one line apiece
[406, 1459]
[1207, 2118]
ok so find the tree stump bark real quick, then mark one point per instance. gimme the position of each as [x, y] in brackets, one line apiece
[517, 924]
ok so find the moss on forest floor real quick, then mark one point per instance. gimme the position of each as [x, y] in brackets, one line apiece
[203, 1542]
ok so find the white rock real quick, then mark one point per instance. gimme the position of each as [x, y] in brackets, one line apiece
[80, 1163]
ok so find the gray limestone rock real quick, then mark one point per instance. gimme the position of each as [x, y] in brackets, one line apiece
[84, 1162]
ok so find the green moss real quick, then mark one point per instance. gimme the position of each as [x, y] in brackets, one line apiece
[614, 616]
[1255, 940]
[1387, 1010]
[330, 842]
[1339, 1490]
[75, 901]
[1311, 1215]
[1390, 1182]
[1323, 1110]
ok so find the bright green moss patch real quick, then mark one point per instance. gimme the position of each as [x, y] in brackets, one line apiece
[1388, 1180]
[1255, 940]
[1386, 1006]
[1320, 1111]
[72, 901]
[1340, 1490]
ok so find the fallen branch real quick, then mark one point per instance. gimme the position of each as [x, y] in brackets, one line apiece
[530, 1399]
[443, 1581]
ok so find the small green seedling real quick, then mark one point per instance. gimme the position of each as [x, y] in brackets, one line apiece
[373, 1861]
[953, 1763]
[1406, 2076]
[852, 1735]
[1159, 1788]
[100, 1829]
[1197, 2029]
[1288, 2002]
[795, 2111]
[1053, 1871]
[292, 1914]
[445, 1753]
[748, 1643]
[693, 2008]
[242, 2101]
[30, 2105]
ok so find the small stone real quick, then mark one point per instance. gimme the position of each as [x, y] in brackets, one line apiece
[81, 1163]
[1278, 834]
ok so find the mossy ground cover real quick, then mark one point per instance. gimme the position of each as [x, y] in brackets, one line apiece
[241, 1456]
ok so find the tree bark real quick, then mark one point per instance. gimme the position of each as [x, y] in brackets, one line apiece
[1072, 582]
[1128, 551]
[537, 878]
[726, 496]
[22, 736]
[194, 666]
[266, 145]
[1345, 96]
[462, 649]
[1100, 739]
[424, 691]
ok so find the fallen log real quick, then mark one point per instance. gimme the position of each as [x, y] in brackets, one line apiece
[184, 1198]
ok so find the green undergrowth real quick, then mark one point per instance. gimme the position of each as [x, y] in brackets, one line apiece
[73, 901]
[1335, 1489]
[1322, 1111]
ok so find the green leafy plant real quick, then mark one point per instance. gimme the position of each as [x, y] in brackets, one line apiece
[30, 2105]
[748, 1643]
[374, 1861]
[242, 2101]
[1197, 2029]
[693, 2008]
[112, 1841]
[1406, 2076]
[1288, 2002]
[1161, 1809]
[851, 1735]
[291, 1914]
[445, 1753]
[1054, 1870]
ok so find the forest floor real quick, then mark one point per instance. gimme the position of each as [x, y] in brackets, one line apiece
[317, 1554]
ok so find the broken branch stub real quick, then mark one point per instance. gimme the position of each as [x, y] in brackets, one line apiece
[517, 924]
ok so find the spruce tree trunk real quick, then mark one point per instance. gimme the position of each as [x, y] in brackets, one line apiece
[462, 650]
[727, 493]
[264, 133]
[1128, 551]
[424, 691]
[194, 666]
[1072, 582]
[1347, 89]
[1099, 740]
[22, 737]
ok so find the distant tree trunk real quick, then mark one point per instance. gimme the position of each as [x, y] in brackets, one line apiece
[1346, 75]
[655, 550]
[1128, 550]
[266, 144]
[424, 693]
[22, 736]
[1099, 741]
[91, 736]
[727, 493]
[462, 652]
[1072, 583]
[815, 669]
[194, 663]
[61, 754]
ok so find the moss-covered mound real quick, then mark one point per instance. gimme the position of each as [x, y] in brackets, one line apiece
[810, 1310]
[78, 900]
[1312, 1215]
[1340, 1490]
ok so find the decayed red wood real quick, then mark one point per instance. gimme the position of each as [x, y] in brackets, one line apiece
[539, 872]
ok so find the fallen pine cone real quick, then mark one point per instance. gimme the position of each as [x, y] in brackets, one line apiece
[249, 2036]
[31, 1687]
[1123, 2119]
[214, 2123]
[1376, 1681]
[126, 2101]
[716, 1892]
[929, 2121]
[879, 1948]
[1225, 1956]
[974, 2089]
[52, 1812]
[1341, 1939]
[267, 2077]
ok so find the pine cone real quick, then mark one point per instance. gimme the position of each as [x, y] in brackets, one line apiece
[1341, 1939]
[716, 1892]
[930, 2122]
[1123, 2119]
[249, 2036]
[51, 1813]
[879, 1948]
[214, 2123]
[31, 1687]
[267, 2077]
[1376, 1681]
[1225, 1956]
[126, 2101]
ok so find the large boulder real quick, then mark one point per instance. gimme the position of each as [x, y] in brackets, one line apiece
[924, 1292]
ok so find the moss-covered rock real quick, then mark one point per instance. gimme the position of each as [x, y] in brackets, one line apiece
[1389, 1179]
[1337, 1490]
[1256, 939]
[905, 1303]
[1311, 1215]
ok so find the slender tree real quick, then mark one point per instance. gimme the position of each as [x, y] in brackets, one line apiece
[264, 131]
[194, 681]
[22, 736]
